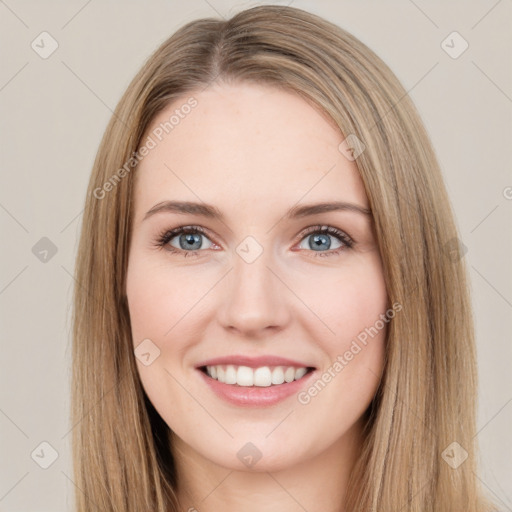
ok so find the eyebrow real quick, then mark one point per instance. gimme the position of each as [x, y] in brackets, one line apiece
[211, 212]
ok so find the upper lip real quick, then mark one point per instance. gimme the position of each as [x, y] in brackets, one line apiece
[254, 362]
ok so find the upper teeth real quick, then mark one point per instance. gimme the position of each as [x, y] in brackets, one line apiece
[262, 377]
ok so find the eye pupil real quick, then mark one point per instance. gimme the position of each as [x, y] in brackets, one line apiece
[191, 239]
[319, 240]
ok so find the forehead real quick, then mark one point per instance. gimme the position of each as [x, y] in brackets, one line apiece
[242, 144]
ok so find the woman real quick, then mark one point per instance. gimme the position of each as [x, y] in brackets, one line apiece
[314, 349]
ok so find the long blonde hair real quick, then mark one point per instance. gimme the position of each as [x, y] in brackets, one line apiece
[426, 399]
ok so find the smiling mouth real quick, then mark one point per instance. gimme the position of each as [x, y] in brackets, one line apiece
[264, 376]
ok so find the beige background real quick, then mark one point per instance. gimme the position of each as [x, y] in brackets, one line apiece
[53, 113]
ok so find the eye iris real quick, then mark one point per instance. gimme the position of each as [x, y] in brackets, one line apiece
[318, 240]
[189, 240]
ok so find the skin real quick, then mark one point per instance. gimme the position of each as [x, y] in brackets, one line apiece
[254, 152]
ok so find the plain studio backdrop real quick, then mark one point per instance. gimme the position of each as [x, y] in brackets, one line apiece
[64, 66]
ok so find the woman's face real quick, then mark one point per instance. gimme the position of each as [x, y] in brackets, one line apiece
[260, 288]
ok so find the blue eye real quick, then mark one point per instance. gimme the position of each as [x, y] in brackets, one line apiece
[189, 240]
[320, 240]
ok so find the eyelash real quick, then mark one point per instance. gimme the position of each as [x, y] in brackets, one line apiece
[166, 236]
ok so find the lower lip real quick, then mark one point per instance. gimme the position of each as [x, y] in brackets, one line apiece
[255, 396]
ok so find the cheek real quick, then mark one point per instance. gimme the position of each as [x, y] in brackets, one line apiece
[354, 308]
[350, 376]
[149, 307]
[159, 297]
[349, 301]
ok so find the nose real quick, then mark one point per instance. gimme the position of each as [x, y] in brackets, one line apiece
[254, 300]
